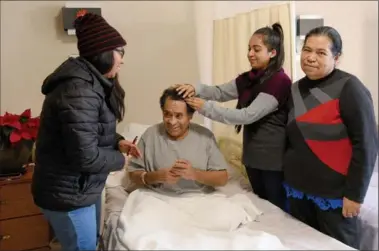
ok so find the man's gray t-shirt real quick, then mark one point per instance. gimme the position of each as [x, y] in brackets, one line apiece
[159, 151]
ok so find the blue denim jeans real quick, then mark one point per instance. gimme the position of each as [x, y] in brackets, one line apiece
[76, 230]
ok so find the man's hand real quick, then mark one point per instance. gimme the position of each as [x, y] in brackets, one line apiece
[186, 90]
[165, 175]
[184, 169]
[350, 208]
[128, 147]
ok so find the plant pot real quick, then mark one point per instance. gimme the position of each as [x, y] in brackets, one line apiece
[13, 158]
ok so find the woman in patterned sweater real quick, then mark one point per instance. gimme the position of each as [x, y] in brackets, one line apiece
[332, 141]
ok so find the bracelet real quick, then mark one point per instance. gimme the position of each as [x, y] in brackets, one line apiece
[143, 178]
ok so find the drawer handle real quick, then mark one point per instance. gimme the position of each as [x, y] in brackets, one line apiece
[5, 237]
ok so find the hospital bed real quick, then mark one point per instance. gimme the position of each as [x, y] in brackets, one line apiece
[293, 234]
[368, 218]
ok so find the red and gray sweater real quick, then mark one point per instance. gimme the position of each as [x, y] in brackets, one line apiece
[332, 137]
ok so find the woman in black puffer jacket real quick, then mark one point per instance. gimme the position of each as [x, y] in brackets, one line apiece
[77, 145]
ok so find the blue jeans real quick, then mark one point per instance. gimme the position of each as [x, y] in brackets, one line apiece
[76, 230]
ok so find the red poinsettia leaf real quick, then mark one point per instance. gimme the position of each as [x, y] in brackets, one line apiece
[11, 120]
[15, 137]
[17, 127]
[34, 133]
[13, 124]
[37, 121]
[26, 135]
[26, 114]
[8, 115]
[33, 122]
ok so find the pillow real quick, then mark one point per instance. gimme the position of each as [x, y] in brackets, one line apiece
[134, 129]
[118, 178]
[232, 151]
[374, 179]
[376, 164]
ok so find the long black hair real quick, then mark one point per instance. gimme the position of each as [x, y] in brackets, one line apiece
[273, 39]
[104, 63]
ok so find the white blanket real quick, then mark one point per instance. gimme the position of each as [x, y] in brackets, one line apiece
[152, 221]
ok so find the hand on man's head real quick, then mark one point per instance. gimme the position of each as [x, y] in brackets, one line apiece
[185, 90]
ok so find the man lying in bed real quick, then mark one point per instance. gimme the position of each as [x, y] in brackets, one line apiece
[178, 156]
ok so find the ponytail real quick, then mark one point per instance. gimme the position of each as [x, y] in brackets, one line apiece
[280, 55]
[273, 39]
[277, 28]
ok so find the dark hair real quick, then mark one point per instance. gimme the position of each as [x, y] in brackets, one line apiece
[173, 94]
[331, 33]
[273, 39]
[104, 63]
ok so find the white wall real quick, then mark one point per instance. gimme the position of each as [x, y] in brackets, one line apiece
[161, 51]
[357, 22]
[225, 9]
[167, 46]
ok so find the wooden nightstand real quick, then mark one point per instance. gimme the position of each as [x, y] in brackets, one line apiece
[22, 225]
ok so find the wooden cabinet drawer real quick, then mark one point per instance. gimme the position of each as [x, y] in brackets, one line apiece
[16, 201]
[24, 233]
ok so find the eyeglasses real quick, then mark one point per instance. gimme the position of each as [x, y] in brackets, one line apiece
[121, 51]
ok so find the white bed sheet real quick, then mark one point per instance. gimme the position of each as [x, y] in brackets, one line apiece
[115, 197]
[368, 218]
[368, 222]
[293, 234]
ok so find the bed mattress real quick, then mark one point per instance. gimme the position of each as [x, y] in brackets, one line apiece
[292, 233]
[368, 222]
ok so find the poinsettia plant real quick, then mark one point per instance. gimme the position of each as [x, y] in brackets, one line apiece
[14, 128]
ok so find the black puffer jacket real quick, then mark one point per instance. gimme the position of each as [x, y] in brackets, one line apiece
[77, 141]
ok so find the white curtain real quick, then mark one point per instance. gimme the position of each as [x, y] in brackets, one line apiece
[203, 15]
[230, 44]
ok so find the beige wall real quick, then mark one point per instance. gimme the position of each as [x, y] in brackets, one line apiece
[161, 46]
[161, 51]
[357, 22]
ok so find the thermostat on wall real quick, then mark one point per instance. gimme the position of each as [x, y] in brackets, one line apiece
[305, 23]
[69, 14]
